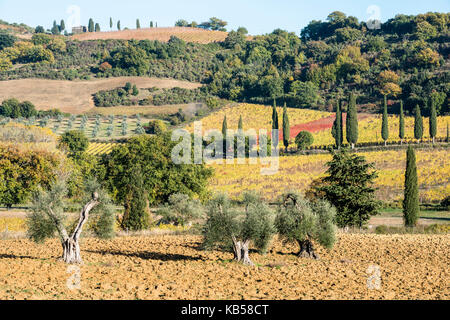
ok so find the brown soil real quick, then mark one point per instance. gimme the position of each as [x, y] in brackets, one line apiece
[172, 267]
[75, 96]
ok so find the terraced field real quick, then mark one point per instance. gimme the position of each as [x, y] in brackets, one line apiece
[173, 267]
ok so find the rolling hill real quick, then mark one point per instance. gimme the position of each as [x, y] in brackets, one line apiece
[75, 96]
[162, 34]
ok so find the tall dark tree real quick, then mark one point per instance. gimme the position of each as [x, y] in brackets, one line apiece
[286, 128]
[385, 123]
[352, 121]
[411, 199]
[448, 138]
[55, 29]
[151, 24]
[275, 123]
[110, 23]
[138, 24]
[118, 25]
[433, 121]
[97, 27]
[337, 130]
[418, 124]
[224, 134]
[91, 27]
[348, 185]
[401, 130]
[136, 215]
[62, 26]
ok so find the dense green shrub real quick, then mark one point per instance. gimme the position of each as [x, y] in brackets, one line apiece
[304, 140]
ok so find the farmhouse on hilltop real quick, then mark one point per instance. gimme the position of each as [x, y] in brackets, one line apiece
[78, 30]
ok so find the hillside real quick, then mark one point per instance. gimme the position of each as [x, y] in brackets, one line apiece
[75, 96]
[407, 59]
[187, 34]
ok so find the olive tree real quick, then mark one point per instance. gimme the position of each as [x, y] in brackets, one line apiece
[235, 229]
[181, 210]
[48, 218]
[299, 220]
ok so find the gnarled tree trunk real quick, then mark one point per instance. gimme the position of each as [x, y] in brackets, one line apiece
[71, 245]
[240, 249]
[307, 249]
[71, 252]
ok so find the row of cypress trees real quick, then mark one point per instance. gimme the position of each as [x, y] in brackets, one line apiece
[352, 123]
[418, 123]
[286, 126]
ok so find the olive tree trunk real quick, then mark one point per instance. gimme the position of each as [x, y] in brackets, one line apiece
[71, 244]
[307, 249]
[240, 249]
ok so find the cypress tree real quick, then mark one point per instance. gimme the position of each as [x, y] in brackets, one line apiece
[411, 199]
[337, 130]
[241, 124]
[91, 25]
[401, 132]
[341, 122]
[110, 23]
[286, 128]
[136, 216]
[55, 29]
[352, 121]
[97, 27]
[447, 140]
[275, 124]
[224, 133]
[118, 25]
[62, 26]
[418, 124]
[385, 123]
[433, 122]
[151, 24]
[138, 24]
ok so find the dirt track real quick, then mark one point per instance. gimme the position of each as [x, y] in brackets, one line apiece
[172, 267]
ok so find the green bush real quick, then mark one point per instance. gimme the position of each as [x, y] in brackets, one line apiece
[181, 210]
[304, 140]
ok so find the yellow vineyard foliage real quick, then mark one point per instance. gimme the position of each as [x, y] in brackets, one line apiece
[96, 149]
[369, 130]
[257, 117]
[297, 172]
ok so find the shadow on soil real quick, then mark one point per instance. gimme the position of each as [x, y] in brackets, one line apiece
[12, 256]
[150, 255]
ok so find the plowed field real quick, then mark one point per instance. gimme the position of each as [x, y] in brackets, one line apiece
[172, 267]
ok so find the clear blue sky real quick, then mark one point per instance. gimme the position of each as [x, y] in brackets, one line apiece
[258, 16]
